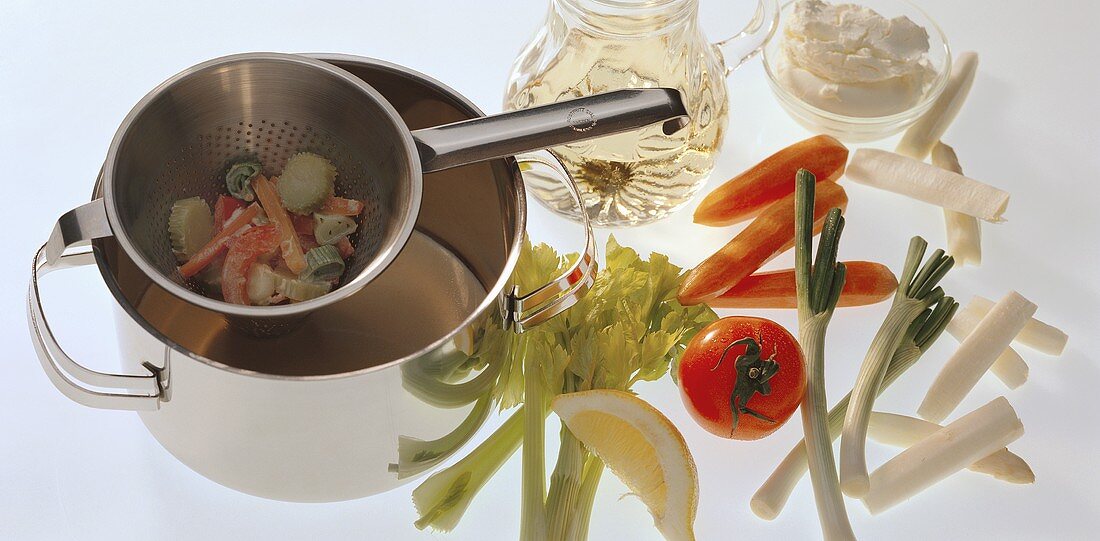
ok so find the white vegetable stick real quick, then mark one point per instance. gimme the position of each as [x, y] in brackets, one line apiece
[950, 449]
[975, 355]
[1009, 367]
[923, 134]
[904, 431]
[923, 182]
[1035, 334]
[964, 233]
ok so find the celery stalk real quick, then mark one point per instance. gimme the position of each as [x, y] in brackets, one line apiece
[593, 470]
[565, 486]
[533, 518]
[443, 498]
[818, 291]
[415, 456]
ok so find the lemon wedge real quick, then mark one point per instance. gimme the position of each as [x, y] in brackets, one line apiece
[643, 448]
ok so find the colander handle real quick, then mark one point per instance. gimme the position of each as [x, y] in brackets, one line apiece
[530, 309]
[545, 126]
[81, 384]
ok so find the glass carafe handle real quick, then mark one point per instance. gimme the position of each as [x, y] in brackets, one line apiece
[751, 40]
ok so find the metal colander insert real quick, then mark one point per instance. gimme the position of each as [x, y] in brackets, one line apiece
[180, 139]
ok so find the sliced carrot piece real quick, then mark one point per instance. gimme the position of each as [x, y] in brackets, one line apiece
[224, 209]
[865, 283]
[342, 206]
[207, 253]
[244, 249]
[770, 234]
[747, 194]
[273, 205]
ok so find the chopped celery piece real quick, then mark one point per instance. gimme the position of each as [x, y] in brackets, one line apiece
[323, 263]
[239, 179]
[190, 226]
[330, 228]
[307, 182]
[297, 289]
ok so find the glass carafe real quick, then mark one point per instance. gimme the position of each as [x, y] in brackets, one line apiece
[592, 46]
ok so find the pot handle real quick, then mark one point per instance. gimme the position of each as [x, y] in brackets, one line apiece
[79, 383]
[531, 309]
[545, 126]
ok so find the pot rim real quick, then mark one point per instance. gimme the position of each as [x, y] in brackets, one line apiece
[492, 296]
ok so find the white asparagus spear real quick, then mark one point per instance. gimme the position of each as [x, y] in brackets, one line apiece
[1009, 367]
[924, 182]
[1035, 334]
[923, 134]
[950, 449]
[904, 431]
[964, 233]
[975, 355]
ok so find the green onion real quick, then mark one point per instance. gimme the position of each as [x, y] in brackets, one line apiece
[773, 494]
[238, 180]
[330, 228]
[917, 291]
[323, 264]
[818, 290]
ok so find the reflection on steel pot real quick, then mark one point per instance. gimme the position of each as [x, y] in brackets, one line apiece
[366, 392]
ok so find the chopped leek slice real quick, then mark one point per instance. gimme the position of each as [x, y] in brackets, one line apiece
[330, 228]
[308, 180]
[299, 290]
[323, 263]
[190, 226]
[239, 179]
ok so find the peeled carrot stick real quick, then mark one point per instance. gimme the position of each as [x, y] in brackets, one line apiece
[342, 206]
[770, 234]
[344, 247]
[864, 283]
[772, 179]
[273, 205]
[207, 253]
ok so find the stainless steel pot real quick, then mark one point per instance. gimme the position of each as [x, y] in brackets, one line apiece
[368, 392]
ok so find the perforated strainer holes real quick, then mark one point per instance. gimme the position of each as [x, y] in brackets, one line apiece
[199, 169]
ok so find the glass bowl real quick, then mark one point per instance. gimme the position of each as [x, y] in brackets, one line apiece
[856, 129]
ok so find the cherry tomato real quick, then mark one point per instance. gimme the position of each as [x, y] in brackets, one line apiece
[742, 377]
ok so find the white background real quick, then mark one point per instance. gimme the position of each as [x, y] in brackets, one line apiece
[70, 72]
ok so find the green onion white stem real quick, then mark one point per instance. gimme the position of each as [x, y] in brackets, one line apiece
[924, 182]
[975, 355]
[1035, 334]
[818, 289]
[774, 493]
[904, 431]
[1009, 367]
[964, 232]
[917, 291]
[442, 499]
[923, 134]
[971, 437]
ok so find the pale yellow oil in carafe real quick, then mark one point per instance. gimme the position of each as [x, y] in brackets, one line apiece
[636, 177]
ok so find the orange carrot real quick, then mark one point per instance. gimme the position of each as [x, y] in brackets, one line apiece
[207, 253]
[770, 180]
[273, 205]
[344, 247]
[769, 235]
[865, 283]
[342, 206]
